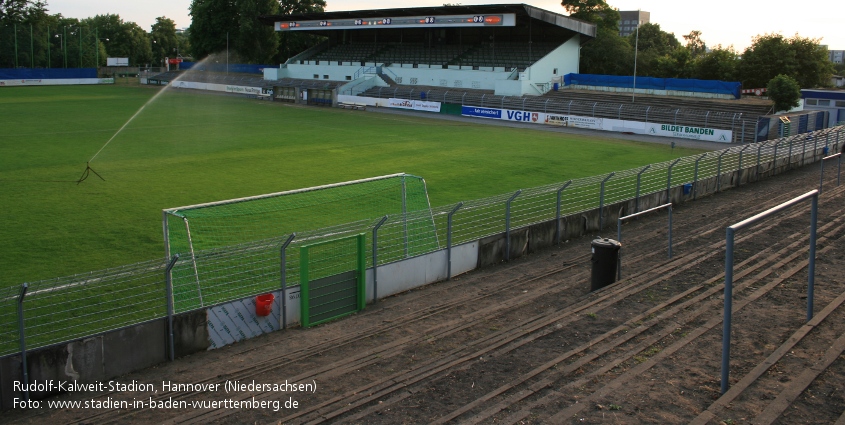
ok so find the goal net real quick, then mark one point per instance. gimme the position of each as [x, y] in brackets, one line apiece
[230, 248]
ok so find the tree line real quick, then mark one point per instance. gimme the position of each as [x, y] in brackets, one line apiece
[30, 36]
[661, 54]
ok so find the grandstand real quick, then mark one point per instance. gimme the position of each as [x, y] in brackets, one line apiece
[511, 49]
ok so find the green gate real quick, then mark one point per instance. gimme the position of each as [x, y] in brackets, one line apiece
[332, 279]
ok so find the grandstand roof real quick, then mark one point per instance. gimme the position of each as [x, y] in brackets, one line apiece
[523, 12]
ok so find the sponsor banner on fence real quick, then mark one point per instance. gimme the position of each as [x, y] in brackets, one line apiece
[242, 89]
[522, 116]
[52, 82]
[417, 105]
[687, 132]
[476, 111]
[575, 121]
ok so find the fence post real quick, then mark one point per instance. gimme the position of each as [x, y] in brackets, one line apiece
[719, 172]
[508, 225]
[669, 181]
[449, 239]
[546, 106]
[21, 330]
[594, 108]
[601, 200]
[790, 153]
[811, 268]
[803, 150]
[695, 177]
[757, 171]
[676, 116]
[775, 158]
[742, 137]
[283, 315]
[728, 307]
[168, 289]
[375, 258]
[637, 196]
[815, 146]
[557, 210]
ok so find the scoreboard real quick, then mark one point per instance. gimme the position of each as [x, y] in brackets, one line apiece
[496, 20]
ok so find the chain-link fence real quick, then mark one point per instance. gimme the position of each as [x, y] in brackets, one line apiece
[67, 308]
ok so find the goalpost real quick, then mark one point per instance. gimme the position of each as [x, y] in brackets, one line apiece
[234, 243]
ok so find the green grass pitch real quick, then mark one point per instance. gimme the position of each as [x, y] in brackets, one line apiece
[186, 148]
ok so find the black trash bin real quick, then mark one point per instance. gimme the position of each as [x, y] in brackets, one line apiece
[605, 259]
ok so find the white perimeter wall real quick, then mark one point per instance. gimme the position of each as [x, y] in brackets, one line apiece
[236, 321]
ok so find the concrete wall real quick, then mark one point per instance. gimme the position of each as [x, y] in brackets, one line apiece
[307, 71]
[105, 356]
[564, 59]
[449, 78]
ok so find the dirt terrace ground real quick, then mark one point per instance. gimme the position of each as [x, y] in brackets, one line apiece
[525, 342]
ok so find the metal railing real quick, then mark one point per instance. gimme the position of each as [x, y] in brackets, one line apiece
[67, 308]
[813, 197]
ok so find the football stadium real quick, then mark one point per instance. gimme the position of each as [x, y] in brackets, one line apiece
[430, 216]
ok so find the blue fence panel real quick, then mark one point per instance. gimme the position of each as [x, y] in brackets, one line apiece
[763, 129]
[821, 121]
[222, 67]
[651, 83]
[802, 123]
[46, 73]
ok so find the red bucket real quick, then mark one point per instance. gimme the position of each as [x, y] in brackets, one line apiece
[264, 304]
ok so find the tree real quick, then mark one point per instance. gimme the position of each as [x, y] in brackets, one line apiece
[256, 42]
[607, 54]
[768, 56]
[213, 22]
[784, 92]
[593, 11]
[802, 59]
[717, 64]
[655, 52]
[290, 42]
[122, 39]
[813, 67]
[164, 41]
[695, 44]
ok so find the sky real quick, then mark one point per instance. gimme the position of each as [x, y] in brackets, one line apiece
[725, 22]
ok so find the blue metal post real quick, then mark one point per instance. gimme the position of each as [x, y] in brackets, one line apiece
[449, 239]
[601, 201]
[557, 210]
[168, 282]
[639, 179]
[283, 314]
[375, 258]
[508, 225]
